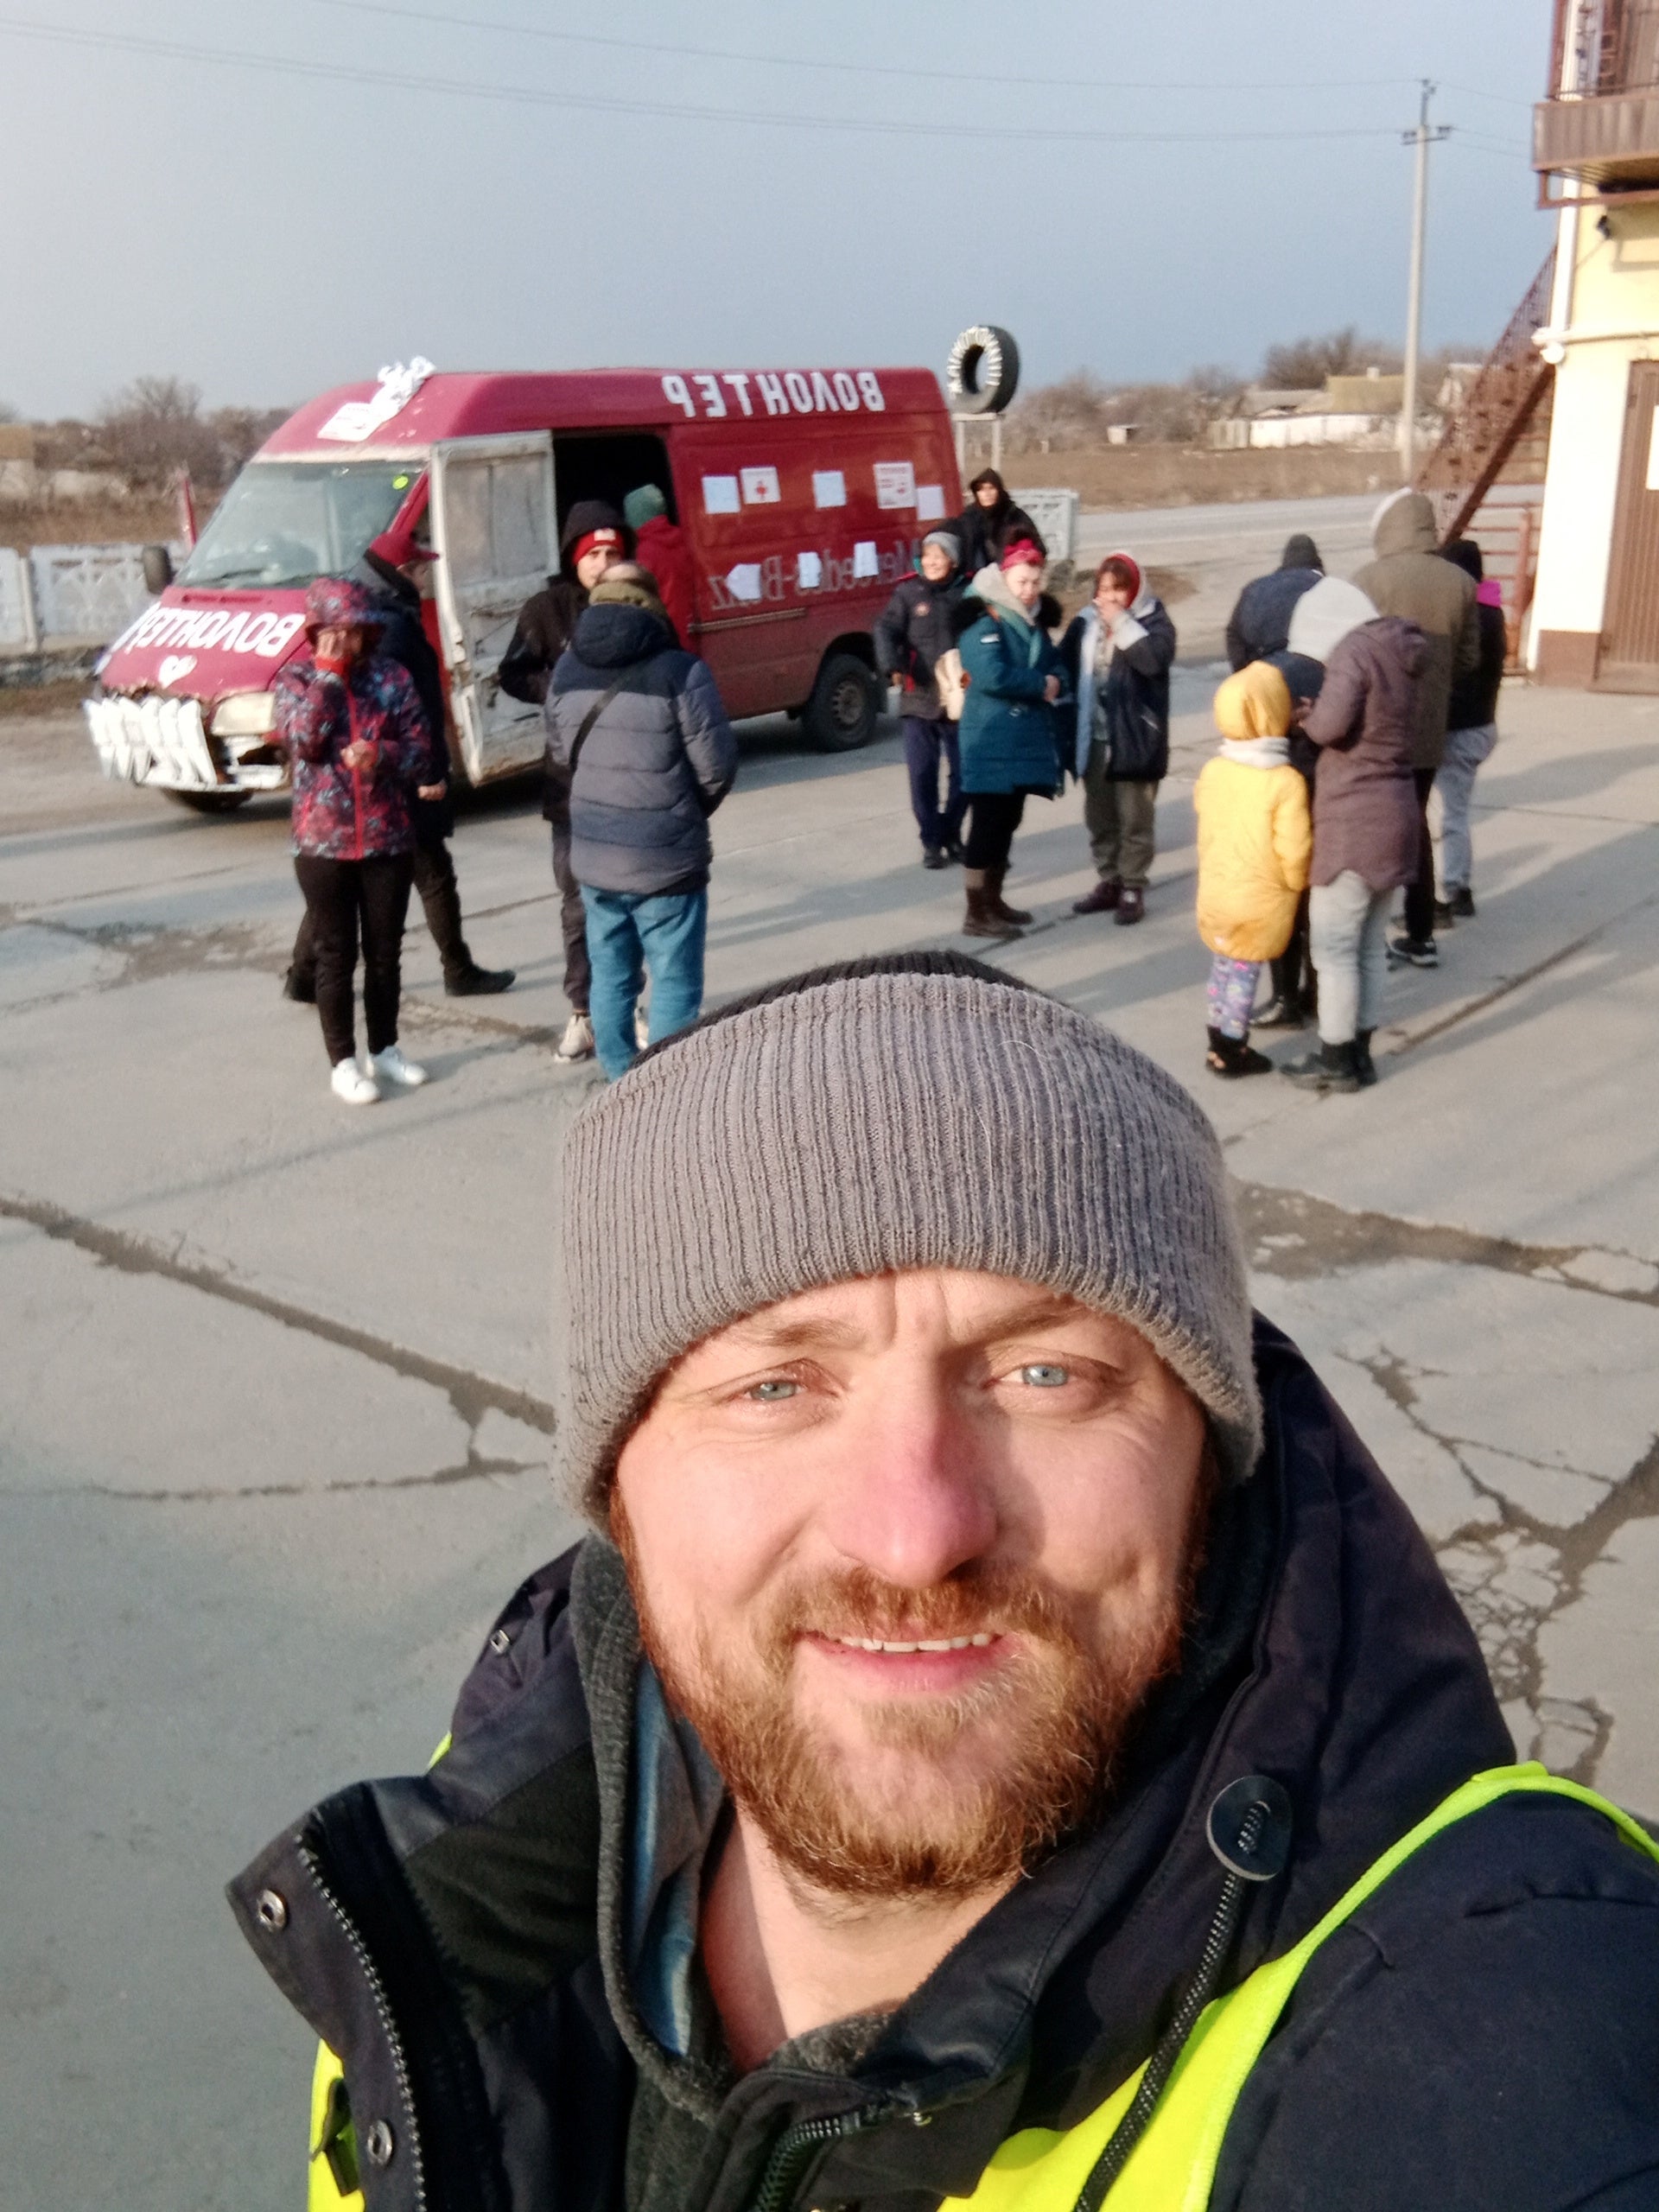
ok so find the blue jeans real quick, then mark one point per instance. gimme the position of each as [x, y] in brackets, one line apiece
[630, 935]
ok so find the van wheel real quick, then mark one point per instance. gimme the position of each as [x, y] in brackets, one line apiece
[840, 717]
[210, 802]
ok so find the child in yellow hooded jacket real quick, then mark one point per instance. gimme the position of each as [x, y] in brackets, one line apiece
[1255, 840]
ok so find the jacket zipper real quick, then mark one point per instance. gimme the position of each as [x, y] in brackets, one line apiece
[383, 2008]
[791, 2153]
[357, 782]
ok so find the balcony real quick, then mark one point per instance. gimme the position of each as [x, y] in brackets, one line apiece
[1600, 125]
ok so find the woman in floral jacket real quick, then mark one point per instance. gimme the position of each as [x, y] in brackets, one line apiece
[361, 752]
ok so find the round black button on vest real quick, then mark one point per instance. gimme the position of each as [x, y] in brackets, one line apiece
[1249, 1828]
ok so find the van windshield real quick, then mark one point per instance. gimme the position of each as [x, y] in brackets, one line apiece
[284, 522]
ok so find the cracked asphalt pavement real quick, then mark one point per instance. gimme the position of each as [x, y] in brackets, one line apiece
[276, 1387]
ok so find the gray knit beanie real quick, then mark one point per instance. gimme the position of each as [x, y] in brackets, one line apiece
[903, 1113]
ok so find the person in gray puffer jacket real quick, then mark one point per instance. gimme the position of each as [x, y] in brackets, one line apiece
[638, 728]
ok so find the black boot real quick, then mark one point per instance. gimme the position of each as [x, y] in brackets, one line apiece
[476, 982]
[1233, 1056]
[1286, 1008]
[1364, 1065]
[1333, 1067]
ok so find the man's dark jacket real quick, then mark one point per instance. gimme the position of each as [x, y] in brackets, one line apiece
[913, 630]
[404, 638]
[547, 622]
[1136, 694]
[1259, 625]
[656, 761]
[1482, 2035]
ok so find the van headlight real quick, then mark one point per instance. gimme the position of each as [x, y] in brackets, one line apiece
[245, 713]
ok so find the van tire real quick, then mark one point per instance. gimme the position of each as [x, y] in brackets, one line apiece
[840, 717]
[983, 373]
[210, 802]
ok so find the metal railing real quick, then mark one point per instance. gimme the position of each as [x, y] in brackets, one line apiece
[1603, 46]
[1482, 434]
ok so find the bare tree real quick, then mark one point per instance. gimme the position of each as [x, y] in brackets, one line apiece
[155, 427]
[1303, 364]
[8, 412]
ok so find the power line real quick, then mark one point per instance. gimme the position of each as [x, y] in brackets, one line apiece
[527, 96]
[926, 73]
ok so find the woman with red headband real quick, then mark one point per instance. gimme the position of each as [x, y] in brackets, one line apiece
[1007, 730]
[1117, 655]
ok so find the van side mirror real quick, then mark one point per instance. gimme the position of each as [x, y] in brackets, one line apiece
[158, 567]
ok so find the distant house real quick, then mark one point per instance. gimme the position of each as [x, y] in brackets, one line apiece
[19, 476]
[1361, 410]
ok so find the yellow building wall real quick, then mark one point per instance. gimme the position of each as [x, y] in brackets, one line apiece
[1616, 289]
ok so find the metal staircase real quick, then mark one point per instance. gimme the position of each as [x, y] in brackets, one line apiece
[1486, 475]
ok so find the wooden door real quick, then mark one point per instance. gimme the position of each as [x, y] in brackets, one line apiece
[1630, 638]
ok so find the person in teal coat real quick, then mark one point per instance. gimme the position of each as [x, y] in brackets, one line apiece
[1010, 734]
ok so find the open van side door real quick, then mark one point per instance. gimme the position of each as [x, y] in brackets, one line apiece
[494, 523]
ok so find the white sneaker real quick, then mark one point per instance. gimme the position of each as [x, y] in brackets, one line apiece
[577, 1042]
[349, 1082]
[641, 1025]
[391, 1067]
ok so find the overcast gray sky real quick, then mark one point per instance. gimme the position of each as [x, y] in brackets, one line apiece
[1134, 190]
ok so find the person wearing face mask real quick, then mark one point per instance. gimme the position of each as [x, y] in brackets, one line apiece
[1117, 655]
[352, 722]
[1007, 728]
[593, 539]
[913, 633]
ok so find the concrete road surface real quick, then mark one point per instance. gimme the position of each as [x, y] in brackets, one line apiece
[275, 1387]
[1216, 550]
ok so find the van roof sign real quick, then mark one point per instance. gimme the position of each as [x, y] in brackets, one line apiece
[467, 404]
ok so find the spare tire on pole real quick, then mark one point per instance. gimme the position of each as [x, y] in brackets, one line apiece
[983, 371]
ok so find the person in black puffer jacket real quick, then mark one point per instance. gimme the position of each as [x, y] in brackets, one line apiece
[1470, 733]
[990, 523]
[912, 632]
[594, 538]
[637, 727]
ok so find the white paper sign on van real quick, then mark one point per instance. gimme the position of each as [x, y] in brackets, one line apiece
[709, 397]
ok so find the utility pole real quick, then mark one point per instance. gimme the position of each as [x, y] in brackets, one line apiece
[1421, 139]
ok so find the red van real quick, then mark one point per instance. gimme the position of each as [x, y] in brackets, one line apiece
[803, 493]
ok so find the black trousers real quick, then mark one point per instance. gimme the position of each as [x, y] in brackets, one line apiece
[992, 820]
[1420, 895]
[573, 919]
[1292, 971]
[345, 899]
[434, 879]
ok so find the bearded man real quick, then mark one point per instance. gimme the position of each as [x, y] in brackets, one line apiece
[1006, 1743]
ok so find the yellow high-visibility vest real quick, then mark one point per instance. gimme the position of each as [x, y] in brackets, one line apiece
[1173, 2167]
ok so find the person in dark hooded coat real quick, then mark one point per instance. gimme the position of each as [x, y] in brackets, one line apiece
[636, 728]
[1259, 625]
[990, 524]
